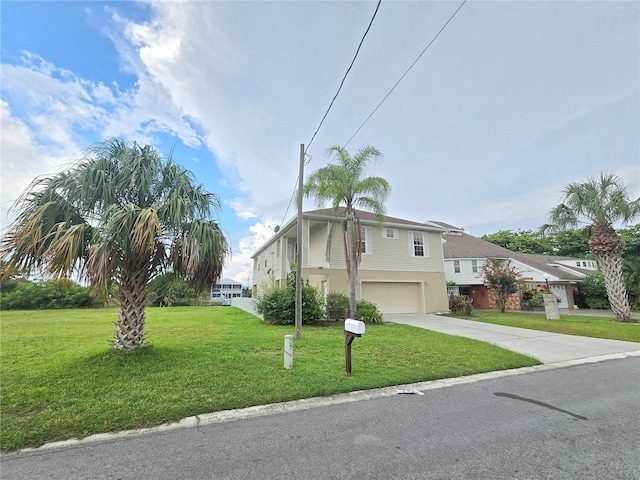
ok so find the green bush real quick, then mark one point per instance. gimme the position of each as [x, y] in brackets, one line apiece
[47, 295]
[278, 305]
[598, 303]
[368, 312]
[335, 305]
[460, 304]
[594, 291]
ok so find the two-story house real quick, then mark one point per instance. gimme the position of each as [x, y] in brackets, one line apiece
[464, 256]
[226, 288]
[401, 268]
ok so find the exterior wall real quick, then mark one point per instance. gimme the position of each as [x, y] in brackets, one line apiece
[466, 276]
[396, 254]
[387, 260]
[433, 284]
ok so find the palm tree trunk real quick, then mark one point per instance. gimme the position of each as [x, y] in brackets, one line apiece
[608, 247]
[611, 266]
[131, 319]
[351, 264]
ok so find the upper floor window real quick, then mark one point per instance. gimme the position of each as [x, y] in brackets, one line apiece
[456, 266]
[577, 264]
[390, 233]
[418, 245]
[474, 266]
[365, 240]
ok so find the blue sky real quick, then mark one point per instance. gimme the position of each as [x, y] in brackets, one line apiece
[510, 103]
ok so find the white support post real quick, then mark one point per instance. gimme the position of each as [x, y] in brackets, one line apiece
[288, 352]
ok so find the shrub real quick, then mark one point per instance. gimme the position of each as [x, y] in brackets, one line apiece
[594, 291]
[368, 312]
[47, 295]
[460, 304]
[598, 303]
[278, 305]
[335, 306]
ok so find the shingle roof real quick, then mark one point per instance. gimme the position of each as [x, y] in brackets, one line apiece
[458, 244]
[370, 217]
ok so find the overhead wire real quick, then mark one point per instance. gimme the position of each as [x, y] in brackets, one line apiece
[405, 73]
[331, 105]
[345, 76]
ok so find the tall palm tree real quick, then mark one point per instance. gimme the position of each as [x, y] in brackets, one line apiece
[121, 216]
[601, 202]
[343, 184]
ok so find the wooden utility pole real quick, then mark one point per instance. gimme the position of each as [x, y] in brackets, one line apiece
[299, 249]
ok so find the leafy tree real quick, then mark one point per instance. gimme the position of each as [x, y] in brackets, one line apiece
[569, 243]
[120, 216]
[521, 241]
[343, 184]
[502, 279]
[170, 289]
[601, 202]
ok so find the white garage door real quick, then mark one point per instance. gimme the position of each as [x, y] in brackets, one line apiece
[393, 297]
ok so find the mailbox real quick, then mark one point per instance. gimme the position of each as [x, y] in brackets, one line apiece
[354, 326]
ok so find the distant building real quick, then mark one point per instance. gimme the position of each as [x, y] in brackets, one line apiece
[226, 289]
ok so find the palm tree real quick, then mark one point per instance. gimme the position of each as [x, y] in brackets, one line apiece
[121, 216]
[342, 183]
[601, 202]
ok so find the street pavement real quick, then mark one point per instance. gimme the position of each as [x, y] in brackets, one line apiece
[545, 346]
[574, 423]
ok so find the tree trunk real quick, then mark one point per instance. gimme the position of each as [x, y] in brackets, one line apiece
[351, 264]
[607, 246]
[611, 267]
[131, 319]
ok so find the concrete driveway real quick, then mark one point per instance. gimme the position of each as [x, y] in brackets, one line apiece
[545, 346]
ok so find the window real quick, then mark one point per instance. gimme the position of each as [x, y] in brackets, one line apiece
[265, 263]
[474, 266]
[584, 264]
[365, 240]
[577, 264]
[456, 266]
[418, 244]
[390, 233]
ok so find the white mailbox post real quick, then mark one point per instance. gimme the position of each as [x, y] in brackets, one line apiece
[352, 329]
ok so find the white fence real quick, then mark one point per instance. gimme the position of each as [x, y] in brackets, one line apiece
[246, 304]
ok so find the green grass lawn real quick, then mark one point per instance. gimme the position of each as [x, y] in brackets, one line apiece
[587, 326]
[61, 379]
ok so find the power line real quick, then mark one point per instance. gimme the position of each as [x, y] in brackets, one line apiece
[345, 77]
[405, 73]
[331, 105]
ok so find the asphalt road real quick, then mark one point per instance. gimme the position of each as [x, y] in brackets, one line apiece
[578, 422]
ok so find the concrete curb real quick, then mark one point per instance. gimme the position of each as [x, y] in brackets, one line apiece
[316, 402]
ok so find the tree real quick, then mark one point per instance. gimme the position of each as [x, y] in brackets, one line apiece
[522, 241]
[600, 203]
[502, 279]
[121, 216]
[343, 184]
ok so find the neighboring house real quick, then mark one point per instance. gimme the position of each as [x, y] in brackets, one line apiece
[226, 289]
[401, 271]
[464, 256]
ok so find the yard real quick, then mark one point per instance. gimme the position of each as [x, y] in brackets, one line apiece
[586, 326]
[61, 379]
